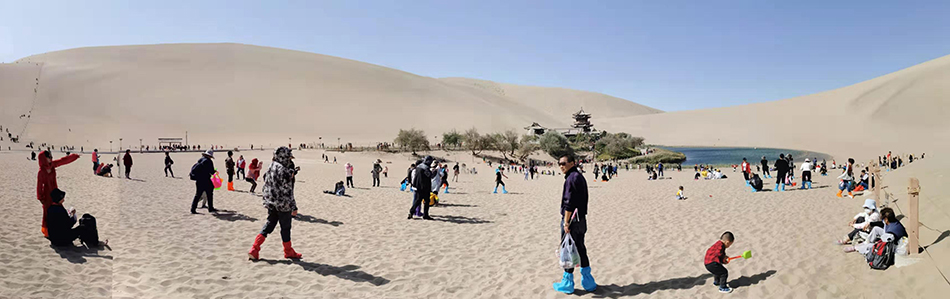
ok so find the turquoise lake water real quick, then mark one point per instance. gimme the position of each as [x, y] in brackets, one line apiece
[734, 155]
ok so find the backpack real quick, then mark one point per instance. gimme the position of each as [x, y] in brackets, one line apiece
[89, 234]
[194, 170]
[881, 255]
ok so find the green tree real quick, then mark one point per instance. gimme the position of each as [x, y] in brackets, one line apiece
[473, 141]
[412, 140]
[527, 147]
[617, 146]
[555, 144]
[452, 138]
[506, 143]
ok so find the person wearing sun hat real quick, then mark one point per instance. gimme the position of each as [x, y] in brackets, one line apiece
[201, 173]
[806, 174]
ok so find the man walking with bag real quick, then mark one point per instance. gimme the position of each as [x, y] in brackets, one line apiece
[574, 222]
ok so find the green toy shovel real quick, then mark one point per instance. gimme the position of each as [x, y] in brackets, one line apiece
[745, 255]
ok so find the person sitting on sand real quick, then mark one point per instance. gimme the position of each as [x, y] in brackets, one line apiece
[756, 182]
[892, 232]
[338, 189]
[680, 194]
[279, 202]
[716, 258]
[865, 178]
[61, 221]
[862, 222]
[105, 170]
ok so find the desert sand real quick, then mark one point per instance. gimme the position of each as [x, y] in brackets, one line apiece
[641, 241]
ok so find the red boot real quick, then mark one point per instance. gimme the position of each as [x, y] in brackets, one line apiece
[289, 252]
[256, 248]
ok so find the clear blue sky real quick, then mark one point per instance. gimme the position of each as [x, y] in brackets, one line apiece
[672, 55]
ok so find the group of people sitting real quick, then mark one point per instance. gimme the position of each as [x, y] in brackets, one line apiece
[709, 174]
[873, 228]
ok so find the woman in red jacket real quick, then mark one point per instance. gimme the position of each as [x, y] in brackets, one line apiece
[46, 180]
[253, 171]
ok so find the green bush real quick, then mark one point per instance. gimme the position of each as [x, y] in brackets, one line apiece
[412, 139]
[555, 144]
[617, 146]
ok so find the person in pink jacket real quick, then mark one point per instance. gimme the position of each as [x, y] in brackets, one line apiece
[349, 174]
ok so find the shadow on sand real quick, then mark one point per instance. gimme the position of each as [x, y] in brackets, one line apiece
[454, 205]
[311, 219]
[78, 254]
[233, 216]
[459, 219]
[746, 281]
[633, 289]
[347, 272]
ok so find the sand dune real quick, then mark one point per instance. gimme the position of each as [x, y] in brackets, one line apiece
[902, 111]
[233, 94]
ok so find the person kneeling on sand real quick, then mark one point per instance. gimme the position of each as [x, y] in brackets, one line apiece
[279, 202]
[756, 183]
[61, 221]
[716, 258]
[862, 223]
[105, 170]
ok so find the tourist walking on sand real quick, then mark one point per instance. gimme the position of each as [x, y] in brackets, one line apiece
[498, 174]
[573, 221]
[127, 161]
[241, 164]
[168, 165]
[455, 171]
[806, 174]
[201, 173]
[385, 171]
[253, 172]
[348, 169]
[421, 183]
[229, 166]
[376, 170]
[46, 181]
[95, 160]
[279, 202]
[781, 169]
[847, 179]
[765, 168]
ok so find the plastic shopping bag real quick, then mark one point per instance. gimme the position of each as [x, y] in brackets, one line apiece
[568, 257]
[216, 181]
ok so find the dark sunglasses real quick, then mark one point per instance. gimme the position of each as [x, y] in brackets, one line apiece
[561, 163]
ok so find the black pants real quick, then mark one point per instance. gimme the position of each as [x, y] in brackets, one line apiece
[720, 274]
[128, 169]
[253, 183]
[745, 175]
[375, 180]
[95, 167]
[273, 218]
[499, 183]
[578, 230]
[806, 176]
[421, 197]
[168, 168]
[230, 176]
[765, 170]
[780, 178]
[853, 233]
[240, 173]
[349, 181]
[206, 188]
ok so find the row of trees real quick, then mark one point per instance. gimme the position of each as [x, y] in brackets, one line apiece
[518, 147]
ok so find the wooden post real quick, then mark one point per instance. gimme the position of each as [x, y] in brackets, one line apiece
[913, 192]
[876, 170]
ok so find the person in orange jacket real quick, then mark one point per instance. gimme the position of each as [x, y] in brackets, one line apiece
[46, 180]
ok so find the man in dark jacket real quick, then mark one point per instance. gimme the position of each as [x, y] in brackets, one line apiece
[422, 182]
[781, 170]
[765, 168]
[60, 222]
[574, 222]
[201, 174]
[127, 161]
